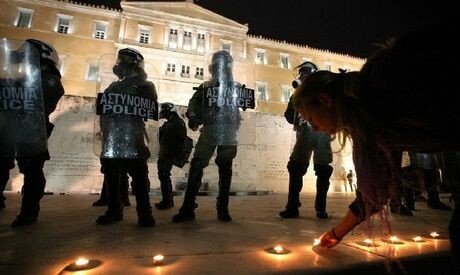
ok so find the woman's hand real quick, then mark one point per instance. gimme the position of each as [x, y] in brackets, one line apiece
[329, 239]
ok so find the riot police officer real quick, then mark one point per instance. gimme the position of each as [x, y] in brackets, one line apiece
[32, 166]
[307, 141]
[212, 137]
[123, 141]
[426, 166]
[172, 136]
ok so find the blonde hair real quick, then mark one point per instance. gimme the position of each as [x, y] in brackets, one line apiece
[342, 88]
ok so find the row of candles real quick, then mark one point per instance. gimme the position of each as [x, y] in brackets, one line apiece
[278, 249]
[82, 263]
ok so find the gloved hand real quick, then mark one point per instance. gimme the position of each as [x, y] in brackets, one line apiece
[193, 123]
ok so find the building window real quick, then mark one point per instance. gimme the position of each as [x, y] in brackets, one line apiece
[227, 47]
[170, 69]
[261, 90]
[284, 60]
[285, 93]
[63, 24]
[260, 56]
[328, 66]
[173, 38]
[187, 40]
[24, 18]
[100, 30]
[144, 36]
[199, 73]
[185, 71]
[93, 68]
[200, 42]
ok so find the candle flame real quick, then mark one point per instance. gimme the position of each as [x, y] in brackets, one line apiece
[158, 259]
[316, 242]
[81, 262]
[278, 249]
[368, 241]
[394, 239]
[417, 239]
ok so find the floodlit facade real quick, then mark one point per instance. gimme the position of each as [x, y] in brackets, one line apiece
[175, 37]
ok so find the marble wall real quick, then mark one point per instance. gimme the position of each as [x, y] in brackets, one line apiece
[260, 166]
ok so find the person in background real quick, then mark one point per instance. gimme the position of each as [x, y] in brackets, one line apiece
[172, 135]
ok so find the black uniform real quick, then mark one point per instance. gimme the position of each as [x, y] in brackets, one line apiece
[201, 156]
[116, 128]
[307, 142]
[172, 136]
[32, 167]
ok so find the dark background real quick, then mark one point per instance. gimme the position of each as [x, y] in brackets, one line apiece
[346, 26]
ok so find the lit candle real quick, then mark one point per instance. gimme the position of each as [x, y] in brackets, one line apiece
[80, 262]
[417, 239]
[158, 259]
[394, 239]
[316, 242]
[434, 234]
[278, 249]
[368, 242]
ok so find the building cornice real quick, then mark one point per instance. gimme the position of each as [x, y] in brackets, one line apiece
[75, 6]
[283, 45]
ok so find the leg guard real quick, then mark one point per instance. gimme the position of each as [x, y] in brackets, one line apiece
[164, 175]
[296, 171]
[124, 189]
[34, 185]
[225, 181]
[186, 212]
[323, 174]
[113, 174]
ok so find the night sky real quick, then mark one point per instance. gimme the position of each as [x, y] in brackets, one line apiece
[346, 26]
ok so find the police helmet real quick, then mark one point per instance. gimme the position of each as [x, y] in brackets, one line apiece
[221, 64]
[134, 55]
[166, 109]
[303, 70]
[46, 51]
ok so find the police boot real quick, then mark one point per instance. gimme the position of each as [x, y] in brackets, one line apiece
[225, 180]
[296, 172]
[28, 214]
[434, 202]
[145, 217]
[323, 173]
[166, 193]
[33, 190]
[114, 212]
[187, 211]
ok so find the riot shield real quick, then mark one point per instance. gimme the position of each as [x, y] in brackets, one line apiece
[22, 116]
[227, 98]
[126, 125]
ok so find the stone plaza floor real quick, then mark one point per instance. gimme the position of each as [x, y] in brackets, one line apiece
[67, 230]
